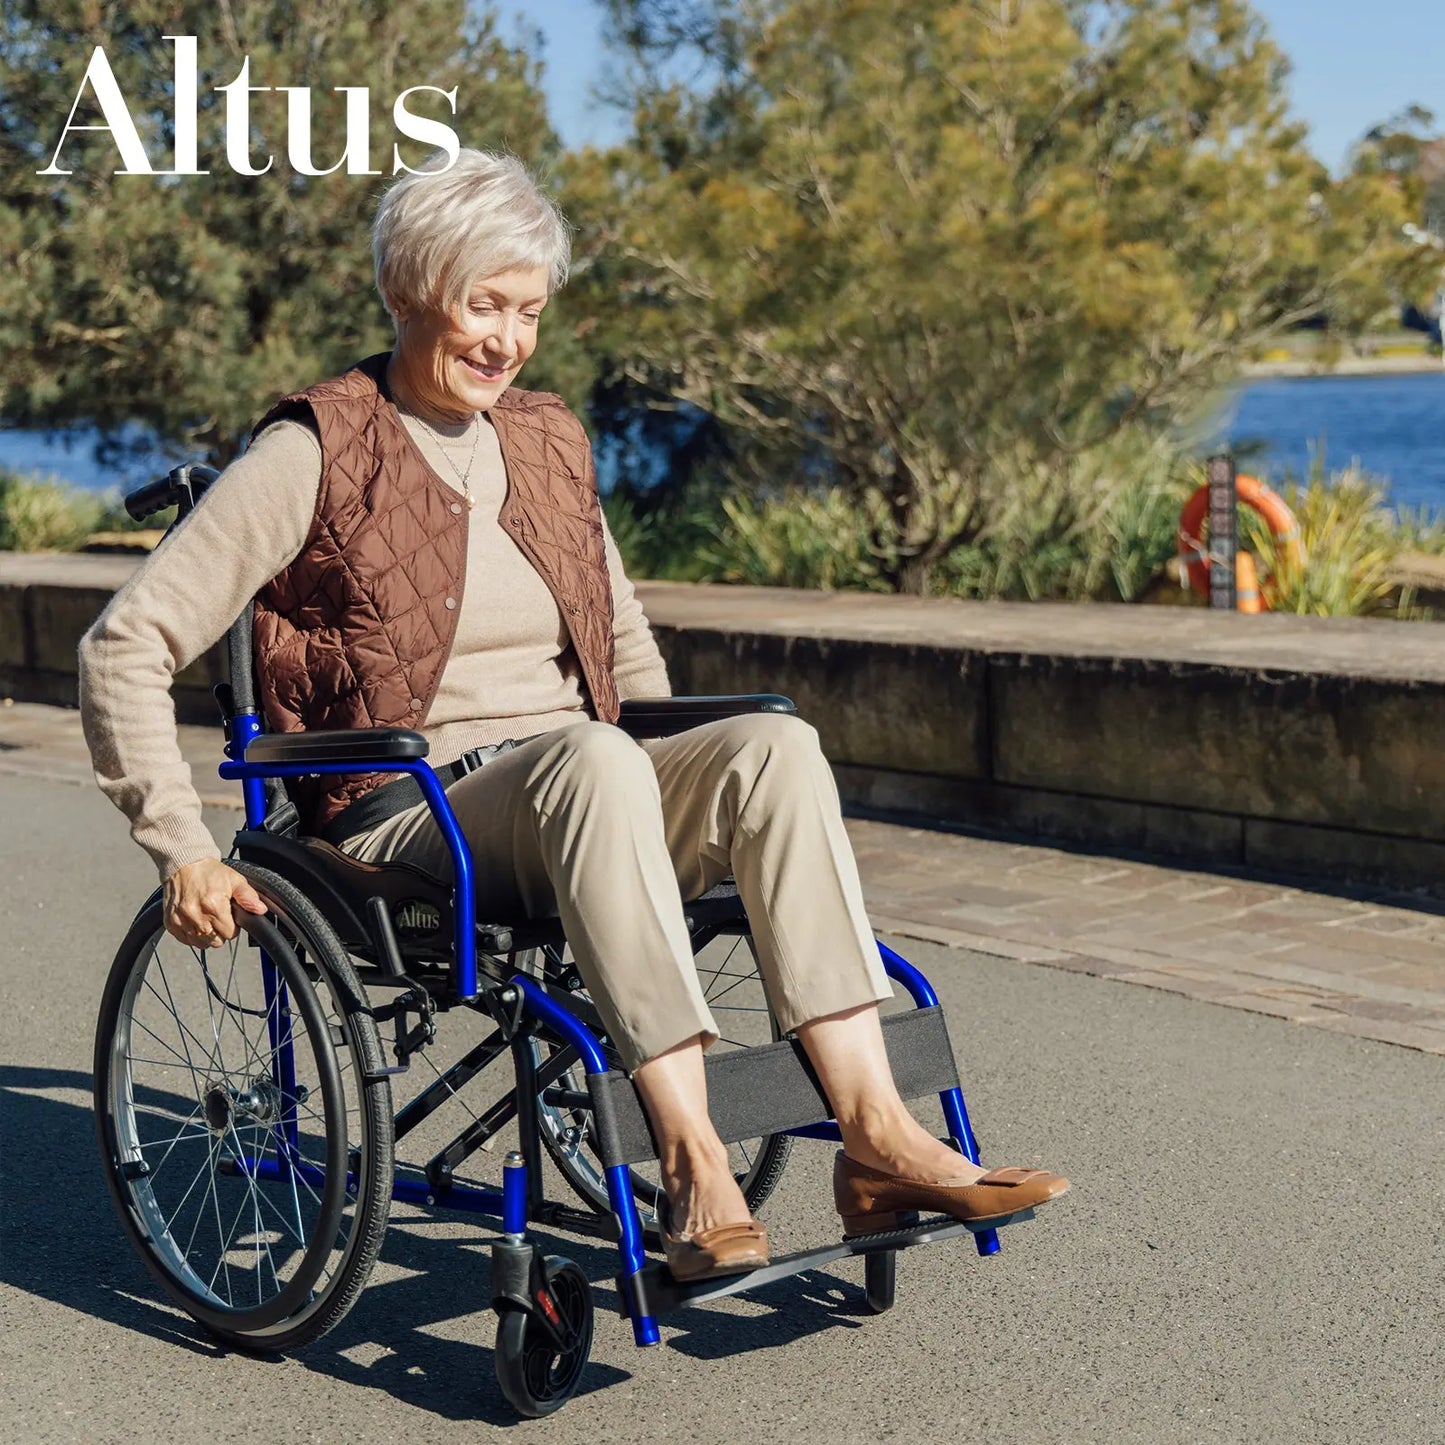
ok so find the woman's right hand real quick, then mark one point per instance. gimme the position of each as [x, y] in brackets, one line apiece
[198, 899]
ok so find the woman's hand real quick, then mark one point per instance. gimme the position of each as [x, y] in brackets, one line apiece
[198, 899]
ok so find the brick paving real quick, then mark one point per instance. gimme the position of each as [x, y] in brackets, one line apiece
[1370, 965]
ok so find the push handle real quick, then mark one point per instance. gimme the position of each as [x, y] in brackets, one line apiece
[181, 487]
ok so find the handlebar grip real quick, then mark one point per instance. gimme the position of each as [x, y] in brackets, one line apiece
[183, 486]
[150, 498]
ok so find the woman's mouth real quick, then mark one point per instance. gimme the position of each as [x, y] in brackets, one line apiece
[484, 372]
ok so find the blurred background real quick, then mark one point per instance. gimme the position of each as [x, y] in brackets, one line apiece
[932, 298]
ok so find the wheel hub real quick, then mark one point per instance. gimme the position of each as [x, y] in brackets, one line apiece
[258, 1103]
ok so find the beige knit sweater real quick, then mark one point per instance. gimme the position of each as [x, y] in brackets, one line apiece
[512, 670]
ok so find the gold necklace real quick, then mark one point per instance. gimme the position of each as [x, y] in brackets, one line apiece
[465, 480]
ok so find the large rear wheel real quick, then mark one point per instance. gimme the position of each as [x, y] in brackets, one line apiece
[245, 1134]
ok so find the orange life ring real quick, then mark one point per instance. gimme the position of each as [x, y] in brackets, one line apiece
[1252, 493]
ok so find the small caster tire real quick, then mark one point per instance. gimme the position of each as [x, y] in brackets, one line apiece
[535, 1377]
[880, 1275]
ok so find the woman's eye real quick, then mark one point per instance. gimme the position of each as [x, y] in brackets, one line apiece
[531, 317]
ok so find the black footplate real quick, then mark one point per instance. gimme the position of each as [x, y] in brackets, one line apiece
[662, 1294]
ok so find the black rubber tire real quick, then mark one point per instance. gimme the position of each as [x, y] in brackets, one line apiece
[533, 1377]
[304, 948]
[880, 1278]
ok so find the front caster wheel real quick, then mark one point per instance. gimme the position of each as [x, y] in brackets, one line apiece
[540, 1356]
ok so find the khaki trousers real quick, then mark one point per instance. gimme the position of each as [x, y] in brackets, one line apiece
[611, 835]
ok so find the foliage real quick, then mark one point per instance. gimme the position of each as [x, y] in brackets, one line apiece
[1420, 529]
[1103, 529]
[42, 514]
[187, 304]
[938, 263]
[796, 539]
[668, 536]
[1401, 148]
[1099, 527]
[1350, 536]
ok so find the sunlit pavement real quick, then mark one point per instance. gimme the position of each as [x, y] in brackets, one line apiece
[1251, 1251]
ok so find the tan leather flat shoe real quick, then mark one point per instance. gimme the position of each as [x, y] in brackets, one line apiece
[711, 1253]
[871, 1201]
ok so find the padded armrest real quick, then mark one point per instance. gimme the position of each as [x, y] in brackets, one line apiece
[338, 745]
[646, 717]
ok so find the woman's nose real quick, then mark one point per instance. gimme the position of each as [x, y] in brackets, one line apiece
[505, 336]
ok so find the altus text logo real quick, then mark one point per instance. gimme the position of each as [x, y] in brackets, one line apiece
[356, 156]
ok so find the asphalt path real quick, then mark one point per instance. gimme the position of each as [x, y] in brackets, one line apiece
[1252, 1251]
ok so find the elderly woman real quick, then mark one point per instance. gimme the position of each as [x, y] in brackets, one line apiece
[426, 549]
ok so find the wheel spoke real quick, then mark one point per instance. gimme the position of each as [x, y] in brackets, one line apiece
[200, 1213]
[170, 1003]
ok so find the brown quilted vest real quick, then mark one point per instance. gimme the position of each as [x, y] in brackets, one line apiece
[356, 631]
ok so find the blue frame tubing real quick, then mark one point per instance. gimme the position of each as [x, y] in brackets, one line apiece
[464, 903]
[246, 726]
[619, 1185]
[955, 1111]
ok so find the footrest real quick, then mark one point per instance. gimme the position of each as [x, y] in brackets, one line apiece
[763, 1090]
[661, 1294]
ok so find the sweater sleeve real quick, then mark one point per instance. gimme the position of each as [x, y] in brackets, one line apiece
[638, 664]
[252, 522]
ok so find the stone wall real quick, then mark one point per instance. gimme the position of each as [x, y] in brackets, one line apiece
[1294, 745]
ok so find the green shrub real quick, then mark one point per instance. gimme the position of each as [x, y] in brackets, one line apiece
[1421, 530]
[1351, 537]
[43, 514]
[1102, 528]
[1099, 528]
[667, 536]
[801, 538]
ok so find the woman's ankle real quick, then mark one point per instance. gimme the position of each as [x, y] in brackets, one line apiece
[701, 1189]
[896, 1143]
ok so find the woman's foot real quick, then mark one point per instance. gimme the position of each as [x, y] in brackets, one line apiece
[707, 1228]
[895, 1143]
[701, 1191]
[871, 1201]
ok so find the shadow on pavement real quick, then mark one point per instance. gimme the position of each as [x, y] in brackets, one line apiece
[60, 1241]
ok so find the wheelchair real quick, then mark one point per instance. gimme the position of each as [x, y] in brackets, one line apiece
[244, 1094]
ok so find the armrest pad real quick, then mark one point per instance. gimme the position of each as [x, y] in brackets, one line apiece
[659, 716]
[339, 745]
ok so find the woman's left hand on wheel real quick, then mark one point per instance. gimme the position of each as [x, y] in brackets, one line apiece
[199, 899]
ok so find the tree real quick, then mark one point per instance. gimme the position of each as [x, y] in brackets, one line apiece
[186, 304]
[1409, 149]
[921, 253]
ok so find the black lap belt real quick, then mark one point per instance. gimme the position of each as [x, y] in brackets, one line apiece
[389, 799]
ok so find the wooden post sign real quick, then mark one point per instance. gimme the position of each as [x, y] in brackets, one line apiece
[1223, 533]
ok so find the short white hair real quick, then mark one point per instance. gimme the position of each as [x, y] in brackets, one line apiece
[437, 231]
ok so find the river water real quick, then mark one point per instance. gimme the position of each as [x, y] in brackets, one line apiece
[1393, 425]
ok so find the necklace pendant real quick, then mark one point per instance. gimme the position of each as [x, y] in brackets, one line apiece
[471, 501]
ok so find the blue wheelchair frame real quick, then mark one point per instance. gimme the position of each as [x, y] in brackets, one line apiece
[645, 1290]
[510, 1204]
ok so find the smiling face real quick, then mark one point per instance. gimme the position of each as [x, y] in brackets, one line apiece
[448, 367]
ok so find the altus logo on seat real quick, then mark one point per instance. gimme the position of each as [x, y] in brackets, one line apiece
[356, 156]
